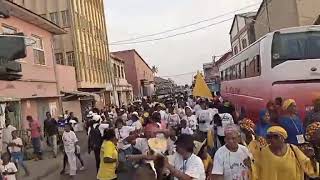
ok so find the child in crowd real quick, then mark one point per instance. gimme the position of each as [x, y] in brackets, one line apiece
[15, 148]
[8, 169]
[184, 128]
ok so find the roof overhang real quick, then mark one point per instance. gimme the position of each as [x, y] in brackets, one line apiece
[80, 94]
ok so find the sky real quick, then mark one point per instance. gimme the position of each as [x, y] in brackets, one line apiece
[180, 57]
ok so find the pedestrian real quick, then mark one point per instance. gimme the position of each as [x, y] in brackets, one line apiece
[70, 141]
[232, 161]
[72, 117]
[8, 169]
[292, 123]
[36, 136]
[281, 161]
[222, 120]
[173, 119]
[191, 118]
[66, 114]
[108, 156]
[15, 147]
[136, 121]
[7, 135]
[263, 124]
[205, 118]
[184, 128]
[201, 150]
[184, 164]
[95, 141]
[314, 115]
[51, 133]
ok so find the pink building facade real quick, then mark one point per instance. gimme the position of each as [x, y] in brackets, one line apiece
[37, 91]
[138, 73]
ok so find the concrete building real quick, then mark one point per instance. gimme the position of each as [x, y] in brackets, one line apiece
[242, 31]
[85, 44]
[37, 91]
[138, 73]
[277, 14]
[211, 71]
[164, 86]
[123, 94]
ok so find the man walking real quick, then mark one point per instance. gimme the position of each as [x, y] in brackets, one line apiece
[35, 129]
[51, 132]
[6, 135]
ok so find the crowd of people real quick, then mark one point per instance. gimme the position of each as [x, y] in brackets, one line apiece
[183, 138]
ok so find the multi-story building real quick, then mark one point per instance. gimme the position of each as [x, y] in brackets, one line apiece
[85, 44]
[138, 72]
[37, 92]
[122, 89]
[242, 31]
[277, 14]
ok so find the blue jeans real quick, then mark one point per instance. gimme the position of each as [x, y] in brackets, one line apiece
[36, 143]
[17, 158]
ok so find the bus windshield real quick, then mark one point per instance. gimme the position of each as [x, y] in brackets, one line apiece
[295, 46]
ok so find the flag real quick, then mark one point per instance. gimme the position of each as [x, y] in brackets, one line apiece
[201, 88]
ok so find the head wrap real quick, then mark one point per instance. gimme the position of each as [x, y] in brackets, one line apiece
[278, 130]
[247, 124]
[311, 129]
[288, 103]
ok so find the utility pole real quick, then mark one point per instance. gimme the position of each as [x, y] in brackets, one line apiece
[268, 17]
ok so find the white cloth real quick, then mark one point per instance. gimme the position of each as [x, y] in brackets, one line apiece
[164, 115]
[191, 121]
[17, 141]
[205, 118]
[171, 146]
[137, 125]
[72, 160]
[2, 115]
[10, 167]
[7, 136]
[213, 111]
[193, 166]
[181, 112]
[122, 134]
[230, 164]
[226, 119]
[187, 130]
[142, 145]
[197, 108]
[173, 120]
[69, 140]
[103, 127]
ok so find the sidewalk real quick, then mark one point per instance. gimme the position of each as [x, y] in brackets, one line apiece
[41, 169]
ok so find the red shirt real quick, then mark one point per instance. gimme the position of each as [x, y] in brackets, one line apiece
[35, 129]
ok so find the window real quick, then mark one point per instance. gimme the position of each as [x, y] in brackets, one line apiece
[244, 43]
[119, 73]
[122, 72]
[253, 67]
[235, 50]
[59, 58]
[115, 70]
[38, 51]
[70, 59]
[65, 18]
[243, 69]
[239, 70]
[222, 76]
[54, 18]
[8, 30]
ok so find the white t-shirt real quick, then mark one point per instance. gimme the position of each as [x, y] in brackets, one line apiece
[69, 140]
[191, 121]
[164, 115]
[7, 134]
[197, 108]
[137, 125]
[213, 111]
[173, 120]
[122, 134]
[142, 145]
[207, 117]
[226, 119]
[187, 130]
[181, 112]
[17, 141]
[230, 164]
[193, 166]
[10, 167]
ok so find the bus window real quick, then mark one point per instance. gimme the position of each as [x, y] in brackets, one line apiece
[243, 69]
[258, 64]
[250, 70]
[239, 70]
[221, 75]
[295, 46]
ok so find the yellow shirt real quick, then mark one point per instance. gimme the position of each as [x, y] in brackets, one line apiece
[107, 171]
[291, 166]
[206, 162]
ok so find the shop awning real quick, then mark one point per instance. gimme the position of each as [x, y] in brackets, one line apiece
[80, 94]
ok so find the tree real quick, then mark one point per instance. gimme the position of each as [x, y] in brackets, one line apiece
[154, 70]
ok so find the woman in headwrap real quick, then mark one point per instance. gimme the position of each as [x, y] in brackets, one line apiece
[267, 118]
[313, 136]
[292, 123]
[279, 160]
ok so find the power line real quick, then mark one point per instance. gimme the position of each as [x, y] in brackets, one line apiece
[185, 26]
[170, 36]
[183, 74]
